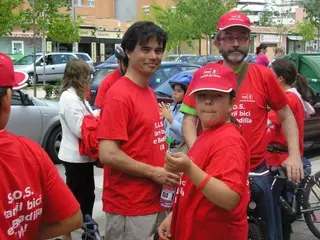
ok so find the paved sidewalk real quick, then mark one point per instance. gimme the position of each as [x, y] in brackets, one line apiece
[301, 231]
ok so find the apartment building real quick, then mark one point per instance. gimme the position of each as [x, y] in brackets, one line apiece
[101, 30]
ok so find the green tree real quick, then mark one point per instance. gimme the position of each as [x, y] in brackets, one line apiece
[48, 16]
[266, 18]
[8, 18]
[306, 30]
[190, 19]
[312, 8]
[61, 25]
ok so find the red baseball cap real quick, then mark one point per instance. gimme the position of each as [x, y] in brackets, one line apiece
[9, 77]
[232, 19]
[214, 77]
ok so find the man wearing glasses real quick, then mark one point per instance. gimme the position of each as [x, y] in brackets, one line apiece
[258, 90]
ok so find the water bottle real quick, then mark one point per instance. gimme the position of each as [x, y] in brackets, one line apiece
[167, 196]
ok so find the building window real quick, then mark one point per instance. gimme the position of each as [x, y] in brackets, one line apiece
[146, 9]
[77, 2]
[91, 3]
[17, 47]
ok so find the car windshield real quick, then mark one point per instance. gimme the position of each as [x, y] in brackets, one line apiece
[27, 60]
[83, 57]
[100, 75]
[111, 59]
[170, 58]
[165, 89]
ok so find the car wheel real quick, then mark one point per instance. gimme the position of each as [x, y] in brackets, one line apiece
[53, 144]
[31, 80]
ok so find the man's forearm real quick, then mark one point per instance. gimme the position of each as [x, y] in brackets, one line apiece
[290, 131]
[120, 161]
[189, 129]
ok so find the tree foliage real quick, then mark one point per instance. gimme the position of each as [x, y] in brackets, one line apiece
[312, 8]
[8, 17]
[306, 30]
[63, 30]
[266, 18]
[190, 19]
[53, 16]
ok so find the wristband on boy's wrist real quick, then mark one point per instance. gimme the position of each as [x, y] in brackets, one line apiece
[204, 182]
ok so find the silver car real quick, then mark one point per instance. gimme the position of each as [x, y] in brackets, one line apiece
[38, 120]
[49, 70]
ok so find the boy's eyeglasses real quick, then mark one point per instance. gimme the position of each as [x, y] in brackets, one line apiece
[231, 39]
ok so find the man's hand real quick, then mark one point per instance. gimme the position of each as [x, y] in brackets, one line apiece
[163, 177]
[294, 168]
[165, 112]
[164, 228]
[177, 162]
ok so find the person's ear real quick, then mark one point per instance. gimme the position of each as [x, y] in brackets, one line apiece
[128, 54]
[281, 79]
[6, 101]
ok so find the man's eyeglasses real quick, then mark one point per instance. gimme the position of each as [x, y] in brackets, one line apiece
[231, 39]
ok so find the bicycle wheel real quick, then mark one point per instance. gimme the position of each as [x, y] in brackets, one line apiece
[255, 232]
[311, 199]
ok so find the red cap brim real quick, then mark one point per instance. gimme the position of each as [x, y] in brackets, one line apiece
[21, 79]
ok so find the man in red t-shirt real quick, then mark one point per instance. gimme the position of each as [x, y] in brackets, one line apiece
[259, 89]
[35, 203]
[111, 78]
[132, 140]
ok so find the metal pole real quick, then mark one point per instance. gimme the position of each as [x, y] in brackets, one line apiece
[34, 53]
[44, 50]
[73, 12]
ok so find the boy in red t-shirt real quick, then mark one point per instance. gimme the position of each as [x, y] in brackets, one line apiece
[35, 203]
[213, 194]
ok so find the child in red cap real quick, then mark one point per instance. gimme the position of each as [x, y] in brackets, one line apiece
[35, 203]
[213, 193]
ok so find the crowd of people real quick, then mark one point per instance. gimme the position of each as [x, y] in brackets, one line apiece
[221, 114]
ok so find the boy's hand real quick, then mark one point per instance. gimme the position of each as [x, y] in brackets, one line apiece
[177, 162]
[165, 112]
[164, 228]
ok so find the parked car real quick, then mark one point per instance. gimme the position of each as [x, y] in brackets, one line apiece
[38, 120]
[204, 59]
[86, 57]
[164, 91]
[54, 65]
[110, 60]
[180, 58]
[311, 129]
[165, 71]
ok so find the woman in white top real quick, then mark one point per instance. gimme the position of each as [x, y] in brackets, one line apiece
[73, 108]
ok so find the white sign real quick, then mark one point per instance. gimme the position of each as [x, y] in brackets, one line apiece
[268, 38]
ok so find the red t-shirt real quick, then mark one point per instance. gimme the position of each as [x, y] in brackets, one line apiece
[275, 134]
[31, 192]
[259, 89]
[224, 154]
[105, 85]
[131, 114]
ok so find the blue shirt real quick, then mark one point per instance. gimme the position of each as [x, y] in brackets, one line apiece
[174, 130]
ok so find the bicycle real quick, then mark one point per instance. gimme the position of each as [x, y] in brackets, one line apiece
[91, 229]
[298, 206]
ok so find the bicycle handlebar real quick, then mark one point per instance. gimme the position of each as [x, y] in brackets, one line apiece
[278, 172]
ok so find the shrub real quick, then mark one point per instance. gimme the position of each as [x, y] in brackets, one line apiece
[48, 88]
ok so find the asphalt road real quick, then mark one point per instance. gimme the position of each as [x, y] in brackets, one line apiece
[301, 232]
